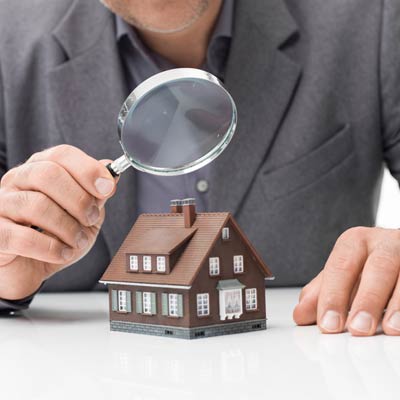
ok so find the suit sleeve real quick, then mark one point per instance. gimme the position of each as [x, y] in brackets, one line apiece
[390, 84]
[15, 305]
[7, 307]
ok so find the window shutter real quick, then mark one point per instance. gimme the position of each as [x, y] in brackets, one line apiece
[128, 301]
[153, 304]
[114, 300]
[180, 305]
[164, 303]
[139, 303]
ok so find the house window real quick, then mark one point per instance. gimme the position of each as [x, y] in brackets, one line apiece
[214, 266]
[225, 233]
[251, 299]
[173, 304]
[231, 304]
[122, 301]
[146, 303]
[237, 264]
[160, 264]
[133, 263]
[147, 263]
[203, 304]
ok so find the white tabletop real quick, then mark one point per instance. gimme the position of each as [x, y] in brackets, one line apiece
[62, 348]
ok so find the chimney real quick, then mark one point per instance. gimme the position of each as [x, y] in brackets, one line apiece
[176, 206]
[189, 211]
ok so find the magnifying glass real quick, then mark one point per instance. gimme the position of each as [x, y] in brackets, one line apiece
[175, 122]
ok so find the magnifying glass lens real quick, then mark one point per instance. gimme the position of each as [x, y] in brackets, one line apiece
[177, 123]
[174, 123]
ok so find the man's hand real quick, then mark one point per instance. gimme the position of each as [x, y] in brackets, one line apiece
[62, 191]
[359, 281]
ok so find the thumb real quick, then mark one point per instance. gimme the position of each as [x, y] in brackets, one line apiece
[100, 203]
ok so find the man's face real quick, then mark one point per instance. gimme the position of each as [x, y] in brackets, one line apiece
[165, 16]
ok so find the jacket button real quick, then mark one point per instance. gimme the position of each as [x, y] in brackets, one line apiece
[202, 186]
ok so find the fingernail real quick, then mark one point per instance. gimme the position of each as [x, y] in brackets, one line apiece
[82, 240]
[93, 215]
[362, 322]
[66, 253]
[331, 321]
[394, 321]
[104, 186]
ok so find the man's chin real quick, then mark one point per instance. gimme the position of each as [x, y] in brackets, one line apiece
[142, 24]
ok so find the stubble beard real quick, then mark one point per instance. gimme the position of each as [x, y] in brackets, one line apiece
[196, 12]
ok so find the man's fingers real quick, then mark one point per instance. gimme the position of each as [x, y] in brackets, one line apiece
[35, 208]
[91, 174]
[305, 313]
[391, 320]
[340, 276]
[55, 182]
[27, 242]
[378, 279]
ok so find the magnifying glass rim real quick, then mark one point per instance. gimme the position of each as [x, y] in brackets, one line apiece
[156, 81]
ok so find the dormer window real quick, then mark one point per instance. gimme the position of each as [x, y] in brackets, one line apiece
[214, 266]
[133, 263]
[146, 263]
[225, 233]
[161, 264]
[238, 264]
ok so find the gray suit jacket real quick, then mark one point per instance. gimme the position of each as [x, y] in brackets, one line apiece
[317, 85]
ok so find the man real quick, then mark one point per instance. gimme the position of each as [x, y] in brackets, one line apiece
[317, 88]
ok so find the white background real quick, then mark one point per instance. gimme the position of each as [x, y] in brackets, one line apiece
[389, 207]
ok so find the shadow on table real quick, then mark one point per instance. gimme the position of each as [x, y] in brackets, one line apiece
[58, 316]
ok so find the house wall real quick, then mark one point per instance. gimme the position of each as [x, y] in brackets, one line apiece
[150, 319]
[252, 277]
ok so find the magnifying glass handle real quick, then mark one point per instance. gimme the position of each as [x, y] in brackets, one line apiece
[118, 166]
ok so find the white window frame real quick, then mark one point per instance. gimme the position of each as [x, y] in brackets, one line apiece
[214, 268]
[161, 263]
[146, 304]
[203, 304]
[224, 297]
[173, 304]
[251, 299]
[238, 264]
[122, 295]
[133, 263]
[146, 263]
[225, 233]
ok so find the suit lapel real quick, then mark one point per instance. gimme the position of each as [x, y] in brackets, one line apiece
[262, 80]
[87, 92]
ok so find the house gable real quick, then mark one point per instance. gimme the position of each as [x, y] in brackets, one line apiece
[251, 278]
[235, 245]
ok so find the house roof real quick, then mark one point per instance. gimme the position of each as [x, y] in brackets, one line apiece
[205, 231]
[160, 240]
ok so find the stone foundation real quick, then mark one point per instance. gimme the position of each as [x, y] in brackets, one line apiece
[189, 333]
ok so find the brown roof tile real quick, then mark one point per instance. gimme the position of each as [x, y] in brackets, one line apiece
[206, 228]
[160, 240]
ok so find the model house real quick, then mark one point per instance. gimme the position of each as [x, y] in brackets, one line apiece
[186, 275]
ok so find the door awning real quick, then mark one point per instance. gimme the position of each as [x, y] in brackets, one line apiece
[228, 284]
